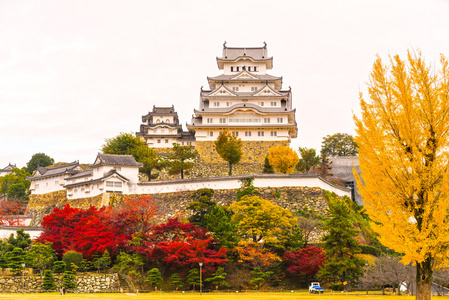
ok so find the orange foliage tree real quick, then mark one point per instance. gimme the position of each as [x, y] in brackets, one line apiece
[403, 140]
[283, 158]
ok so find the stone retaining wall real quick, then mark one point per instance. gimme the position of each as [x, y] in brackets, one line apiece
[90, 283]
[252, 151]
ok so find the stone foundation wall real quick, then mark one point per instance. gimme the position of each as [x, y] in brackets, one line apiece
[253, 151]
[106, 283]
[293, 198]
[41, 205]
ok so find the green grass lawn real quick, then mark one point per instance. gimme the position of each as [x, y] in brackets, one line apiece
[213, 296]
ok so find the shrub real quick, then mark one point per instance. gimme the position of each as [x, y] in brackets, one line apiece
[73, 260]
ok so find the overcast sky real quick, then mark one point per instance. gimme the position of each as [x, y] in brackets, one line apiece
[73, 73]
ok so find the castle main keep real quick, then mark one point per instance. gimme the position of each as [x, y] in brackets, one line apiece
[244, 100]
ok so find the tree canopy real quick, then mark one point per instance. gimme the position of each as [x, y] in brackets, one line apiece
[308, 160]
[283, 159]
[39, 159]
[229, 147]
[339, 144]
[128, 144]
[182, 159]
[403, 137]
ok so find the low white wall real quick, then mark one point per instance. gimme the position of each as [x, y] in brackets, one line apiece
[233, 182]
[34, 232]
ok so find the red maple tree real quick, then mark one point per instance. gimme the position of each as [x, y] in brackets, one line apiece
[304, 261]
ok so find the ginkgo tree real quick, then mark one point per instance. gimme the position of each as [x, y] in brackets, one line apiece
[403, 140]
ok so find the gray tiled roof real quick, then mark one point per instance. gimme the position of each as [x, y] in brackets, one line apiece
[254, 52]
[259, 77]
[80, 174]
[115, 160]
[46, 172]
[107, 175]
[8, 168]
[163, 110]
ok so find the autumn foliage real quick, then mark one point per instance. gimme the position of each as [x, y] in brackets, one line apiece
[283, 158]
[403, 138]
[304, 261]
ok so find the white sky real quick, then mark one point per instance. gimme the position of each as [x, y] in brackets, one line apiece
[73, 73]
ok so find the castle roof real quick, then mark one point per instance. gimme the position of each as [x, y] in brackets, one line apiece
[115, 160]
[8, 168]
[252, 53]
[42, 172]
[106, 176]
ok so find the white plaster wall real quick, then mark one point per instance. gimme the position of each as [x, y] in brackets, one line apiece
[6, 231]
[47, 185]
[261, 66]
[282, 134]
[234, 183]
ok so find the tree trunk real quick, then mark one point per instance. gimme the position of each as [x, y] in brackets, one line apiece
[182, 174]
[149, 175]
[230, 169]
[424, 280]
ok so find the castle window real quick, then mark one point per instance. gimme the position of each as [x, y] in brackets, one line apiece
[237, 69]
[280, 120]
[166, 141]
[158, 141]
[232, 69]
[260, 133]
[262, 103]
[243, 68]
[182, 143]
[266, 120]
[158, 121]
[210, 120]
[235, 88]
[249, 69]
[247, 133]
[273, 103]
[56, 182]
[253, 88]
[235, 133]
[167, 121]
[255, 69]
[222, 120]
[211, 133]
[274, 133]
[216, 103]
[228, 103]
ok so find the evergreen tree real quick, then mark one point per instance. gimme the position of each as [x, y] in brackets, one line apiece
[193, 277]
[175, 281]
[340, 244]
[267, 168]
[259, 277]
[218, 278]
[40, 256]
[73, 260]
[308, 160]
[201, 206]
[181, 159]
[68, 280]
[39, 159]
[102, 263]
[229, 147]
[154, 278]
[59, 266]
[49, 281]
[224, 230]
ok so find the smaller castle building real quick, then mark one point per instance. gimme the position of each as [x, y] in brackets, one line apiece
[161, 129]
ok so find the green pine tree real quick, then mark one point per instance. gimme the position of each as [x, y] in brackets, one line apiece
[340, 244]
[68, 280]
[193, 277]
[218, 278]
[154, 278]
[59, 266]
[49, 281]
[259, 277]
[175, 281]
